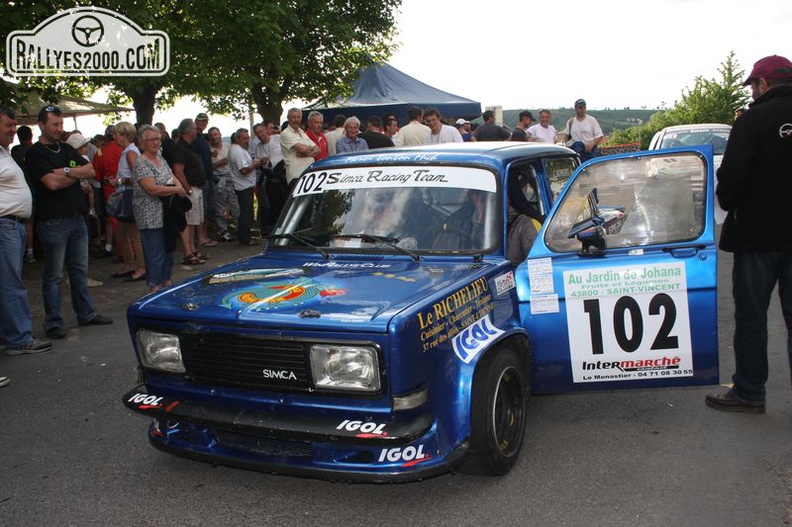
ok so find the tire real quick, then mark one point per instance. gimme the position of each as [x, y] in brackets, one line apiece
[498, 413]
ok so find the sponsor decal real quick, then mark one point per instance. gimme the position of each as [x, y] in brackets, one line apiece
[365, 429]
[88, 41]
[252, 275]
[447, 317]
[279, 293]
[394, 277]
[411, 455]
[145, 401]
[628, 323]
[504, 283]
[395, 176]
[475, 338]
[281, 375]
[348, 265]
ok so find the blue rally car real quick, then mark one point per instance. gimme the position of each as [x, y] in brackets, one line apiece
[383, 335]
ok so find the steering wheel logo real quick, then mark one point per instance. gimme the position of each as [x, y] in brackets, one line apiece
[87, 31]
[785, 131]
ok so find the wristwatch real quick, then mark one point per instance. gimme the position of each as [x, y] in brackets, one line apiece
[66, 171]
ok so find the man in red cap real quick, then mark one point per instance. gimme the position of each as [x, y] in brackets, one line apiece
[755, 187]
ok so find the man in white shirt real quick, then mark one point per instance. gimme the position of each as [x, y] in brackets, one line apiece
[335, 134]
[439, 132]
[585, 132]
[225, 197]
[243, 176]
[543, 131]
[16, 206]
[415, 132]
[297, 148]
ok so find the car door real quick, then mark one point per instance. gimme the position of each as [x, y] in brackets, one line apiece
[619, 289]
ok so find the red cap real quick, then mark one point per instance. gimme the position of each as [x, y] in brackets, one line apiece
[772, 67]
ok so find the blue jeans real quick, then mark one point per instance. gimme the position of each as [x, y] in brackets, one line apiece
[753, 278]
[159, 262]
[65, 244]
[15, 319]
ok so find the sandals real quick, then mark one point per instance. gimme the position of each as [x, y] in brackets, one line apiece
[192, 259]
[208, 243]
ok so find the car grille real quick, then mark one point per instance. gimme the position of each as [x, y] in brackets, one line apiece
[246, 362]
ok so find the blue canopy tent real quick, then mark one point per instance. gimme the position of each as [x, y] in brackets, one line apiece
[382, 89]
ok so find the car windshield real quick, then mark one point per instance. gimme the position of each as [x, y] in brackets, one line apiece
[717, 137]
[393, 209]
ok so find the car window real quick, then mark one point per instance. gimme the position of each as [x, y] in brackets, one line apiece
[632, 202]
[717, 137]
[558, 173]
[388, 208]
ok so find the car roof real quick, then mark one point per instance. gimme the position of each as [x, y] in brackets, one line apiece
[699, 126]
[478, 152]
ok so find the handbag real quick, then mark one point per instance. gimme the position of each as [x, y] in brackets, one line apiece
[119, 204]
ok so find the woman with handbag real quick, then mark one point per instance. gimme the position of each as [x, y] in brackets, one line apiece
[154, 180]
[128, 235]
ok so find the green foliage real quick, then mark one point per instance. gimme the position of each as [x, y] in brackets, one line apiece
[709, 101]
[234, 56]
[274, 52]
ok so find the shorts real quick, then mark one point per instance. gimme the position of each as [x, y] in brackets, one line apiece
[195, 216]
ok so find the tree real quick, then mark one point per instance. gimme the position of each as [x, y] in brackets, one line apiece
[709, 101]
[270, 52]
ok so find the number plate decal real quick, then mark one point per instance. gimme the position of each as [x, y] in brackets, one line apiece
[628, 323]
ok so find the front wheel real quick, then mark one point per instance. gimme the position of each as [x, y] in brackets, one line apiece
[498, 413]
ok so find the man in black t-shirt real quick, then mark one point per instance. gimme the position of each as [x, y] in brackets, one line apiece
[374, 135]
[56, 169]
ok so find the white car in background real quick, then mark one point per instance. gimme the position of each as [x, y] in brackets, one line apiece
[682, 135]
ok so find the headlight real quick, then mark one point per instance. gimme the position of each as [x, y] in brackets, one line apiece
[160, 351]
[345, 368]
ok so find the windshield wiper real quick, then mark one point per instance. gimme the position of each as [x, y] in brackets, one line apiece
[387, 240]
[304, 241]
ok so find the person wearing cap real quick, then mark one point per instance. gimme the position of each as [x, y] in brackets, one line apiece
[520, 132]
[56, 170]
[584, 133]
[16, 206]
[463, 127]
[489, 131]
[755, 188]
[439, 132]
[543, 131]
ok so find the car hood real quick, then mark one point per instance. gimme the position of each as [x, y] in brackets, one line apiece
[282, 293]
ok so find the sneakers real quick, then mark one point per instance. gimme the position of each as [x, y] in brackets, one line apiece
[31, 348]
[225, 236]
[98, 320]
[94, 283]
[29, 256]
[4, 381]
[731, 403]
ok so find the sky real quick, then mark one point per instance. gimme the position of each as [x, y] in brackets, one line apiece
[546, 54]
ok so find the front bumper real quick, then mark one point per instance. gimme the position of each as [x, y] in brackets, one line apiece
[328, 447]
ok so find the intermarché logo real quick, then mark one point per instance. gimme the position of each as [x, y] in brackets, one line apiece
[88, 41]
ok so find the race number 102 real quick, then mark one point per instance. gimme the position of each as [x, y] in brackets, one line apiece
[627, 323]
